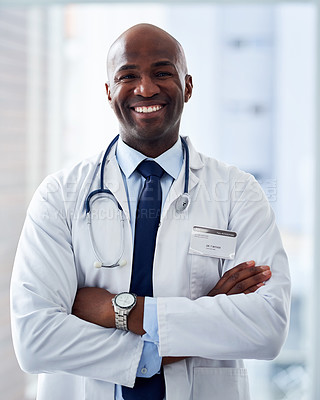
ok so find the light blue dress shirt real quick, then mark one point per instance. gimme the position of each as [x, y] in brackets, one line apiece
[171, 161]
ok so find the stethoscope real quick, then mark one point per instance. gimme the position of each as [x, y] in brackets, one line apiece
[182, 204]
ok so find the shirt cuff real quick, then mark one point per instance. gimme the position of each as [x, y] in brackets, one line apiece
[150, 361]
[150, 320]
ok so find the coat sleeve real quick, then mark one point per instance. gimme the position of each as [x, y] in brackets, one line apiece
[237, 326]
[46, 336]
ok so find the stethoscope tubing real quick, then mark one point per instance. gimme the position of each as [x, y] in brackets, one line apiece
[183, 205]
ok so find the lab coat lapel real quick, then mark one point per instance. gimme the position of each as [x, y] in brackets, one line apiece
[114, 182]
[177, 187]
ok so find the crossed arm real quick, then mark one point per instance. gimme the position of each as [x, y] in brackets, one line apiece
[94, 304]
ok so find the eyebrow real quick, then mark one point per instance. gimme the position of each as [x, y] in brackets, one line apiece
[156, 64]
[127, 66]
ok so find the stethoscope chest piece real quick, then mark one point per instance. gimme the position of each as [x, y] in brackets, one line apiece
[183, 202]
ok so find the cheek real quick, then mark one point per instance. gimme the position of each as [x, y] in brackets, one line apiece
[179, 101]
[179, 95]
[115, 103]
[119, 102]
[122, 113]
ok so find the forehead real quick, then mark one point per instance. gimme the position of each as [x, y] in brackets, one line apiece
[143, 50]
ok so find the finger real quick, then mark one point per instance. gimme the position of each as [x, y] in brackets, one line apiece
[238, 268]
[249, 272]
[243, 285]
[254, 288]
[236, 278]
[233, 271]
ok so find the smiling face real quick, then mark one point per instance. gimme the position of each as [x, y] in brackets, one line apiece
[148, 88]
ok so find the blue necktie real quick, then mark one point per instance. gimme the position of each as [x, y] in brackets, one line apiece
[147, 222]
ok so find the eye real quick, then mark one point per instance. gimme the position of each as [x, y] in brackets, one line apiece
[126, 77]
[163, 74]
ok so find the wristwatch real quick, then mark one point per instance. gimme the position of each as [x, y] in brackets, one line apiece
[123, 303]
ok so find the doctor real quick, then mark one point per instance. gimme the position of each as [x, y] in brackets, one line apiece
[207, 311]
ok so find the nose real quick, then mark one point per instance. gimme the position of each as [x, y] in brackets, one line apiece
[146, 87]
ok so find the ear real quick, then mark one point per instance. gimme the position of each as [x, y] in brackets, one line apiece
[108, 91]
[188, 88]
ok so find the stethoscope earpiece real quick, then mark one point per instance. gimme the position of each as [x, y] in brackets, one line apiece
[122, 263]
[97, 264]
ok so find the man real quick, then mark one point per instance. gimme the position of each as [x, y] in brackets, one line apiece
[196, 314]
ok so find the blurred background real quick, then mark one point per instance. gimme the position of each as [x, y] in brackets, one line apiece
[254, 69]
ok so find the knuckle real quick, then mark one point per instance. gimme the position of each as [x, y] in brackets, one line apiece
[227, 274]
[258, 278]
[240, 287]
[235, 276]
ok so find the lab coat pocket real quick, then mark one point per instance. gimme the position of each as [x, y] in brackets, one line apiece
[204, 275]
[220, 384]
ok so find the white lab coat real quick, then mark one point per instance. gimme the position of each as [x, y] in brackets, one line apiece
[78, 360]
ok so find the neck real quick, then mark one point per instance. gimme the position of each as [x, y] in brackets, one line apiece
[150, 148]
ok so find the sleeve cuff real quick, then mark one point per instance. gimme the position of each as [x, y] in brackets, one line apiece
[150, 362]
[150, 320]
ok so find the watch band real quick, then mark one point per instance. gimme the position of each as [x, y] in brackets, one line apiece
[121, 319]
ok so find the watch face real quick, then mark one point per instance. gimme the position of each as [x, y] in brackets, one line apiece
[125, 300]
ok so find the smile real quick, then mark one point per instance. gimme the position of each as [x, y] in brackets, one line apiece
[147, 110]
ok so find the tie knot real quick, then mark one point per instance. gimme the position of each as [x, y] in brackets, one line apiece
[150, 168]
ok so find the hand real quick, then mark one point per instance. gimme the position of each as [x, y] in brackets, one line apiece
[94, 305]
[244, 278]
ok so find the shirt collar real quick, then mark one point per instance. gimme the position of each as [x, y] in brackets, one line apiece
[128, 158]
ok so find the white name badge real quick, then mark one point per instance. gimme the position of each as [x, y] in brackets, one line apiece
[213, 242]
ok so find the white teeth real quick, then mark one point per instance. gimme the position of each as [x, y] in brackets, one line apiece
[147, 110]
